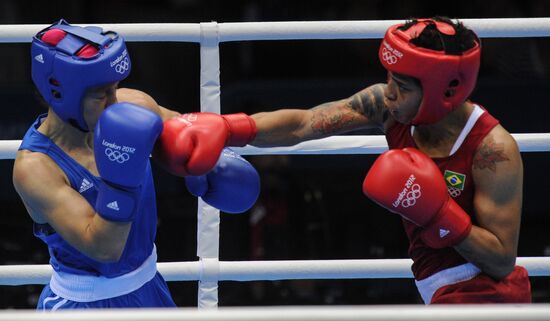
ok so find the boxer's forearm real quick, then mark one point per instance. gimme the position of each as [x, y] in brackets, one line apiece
[283, 127]
[487, 252]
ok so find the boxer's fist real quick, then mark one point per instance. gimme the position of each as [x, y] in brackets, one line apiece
[232, 186]
[123, 139]
[409, 183]
[191, 143]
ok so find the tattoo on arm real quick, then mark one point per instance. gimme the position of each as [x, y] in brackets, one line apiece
[369, 102]
[331, 118]
[488, 155]
[339, 116]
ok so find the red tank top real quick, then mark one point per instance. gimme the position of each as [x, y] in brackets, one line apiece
[457, 172]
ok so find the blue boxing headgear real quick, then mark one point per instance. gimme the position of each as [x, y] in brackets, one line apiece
[62, 77]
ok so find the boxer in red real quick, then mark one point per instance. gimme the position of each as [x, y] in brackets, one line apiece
[453, 172]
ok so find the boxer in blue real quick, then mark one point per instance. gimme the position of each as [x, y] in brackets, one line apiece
[83, 171]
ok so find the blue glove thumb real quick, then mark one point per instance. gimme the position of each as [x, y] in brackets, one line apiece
[197, 185]
[232, 186]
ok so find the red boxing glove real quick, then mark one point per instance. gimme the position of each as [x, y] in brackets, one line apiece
[409, 183]
[191, 143]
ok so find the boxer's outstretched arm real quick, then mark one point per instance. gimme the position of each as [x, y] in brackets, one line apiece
[498, 178]
[286, 127]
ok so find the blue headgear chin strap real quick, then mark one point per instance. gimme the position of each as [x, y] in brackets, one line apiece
[63, 78]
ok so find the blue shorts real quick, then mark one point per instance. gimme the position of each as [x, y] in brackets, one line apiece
[154, 293]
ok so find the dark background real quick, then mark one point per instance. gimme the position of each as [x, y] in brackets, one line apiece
[311, 207]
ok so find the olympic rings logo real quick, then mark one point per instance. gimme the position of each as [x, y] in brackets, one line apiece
[123, 66]
[388, 57]
[116, 156]
[454, 192]
[412, 196]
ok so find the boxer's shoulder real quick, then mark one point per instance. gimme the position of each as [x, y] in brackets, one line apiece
[498, 146]
[30, 166]
[136, 97]
[37, 179]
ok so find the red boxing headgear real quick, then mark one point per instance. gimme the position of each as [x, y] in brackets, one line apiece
[447, 79]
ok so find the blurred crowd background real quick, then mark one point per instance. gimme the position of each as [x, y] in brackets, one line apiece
[310, 207]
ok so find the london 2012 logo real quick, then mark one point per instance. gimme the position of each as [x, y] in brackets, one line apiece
[117, 153]
[410, 193]
[389, 54]
[123, 66]
[388, 57]
[412, 196]
[121, 63]
[116, 156]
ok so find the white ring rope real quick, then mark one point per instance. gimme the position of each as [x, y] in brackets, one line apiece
[289, 30]
[374, 144]
[267, 270]
[491, 312]
[8, 148]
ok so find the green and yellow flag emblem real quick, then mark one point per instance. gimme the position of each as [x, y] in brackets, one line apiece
[454, 179]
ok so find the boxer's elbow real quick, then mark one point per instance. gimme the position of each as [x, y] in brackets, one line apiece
[501, 267]
[107, 257]
[102, 253]
[105, 246]
[107, 254]
[112, 252]
[496, 257]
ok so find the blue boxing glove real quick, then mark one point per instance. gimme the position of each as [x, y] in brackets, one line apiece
[232, 186]
[123, 139]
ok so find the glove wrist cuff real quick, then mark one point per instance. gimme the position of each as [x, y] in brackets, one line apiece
[115, 204]
[449, 227]
[242, 129]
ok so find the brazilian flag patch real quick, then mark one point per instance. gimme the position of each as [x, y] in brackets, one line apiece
[454, 179]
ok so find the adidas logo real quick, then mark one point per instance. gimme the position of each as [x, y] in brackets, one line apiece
[113, 205]
[443, 233]
[39, 58]
[86, 185]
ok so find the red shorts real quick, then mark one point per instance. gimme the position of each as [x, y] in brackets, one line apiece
[515, 288]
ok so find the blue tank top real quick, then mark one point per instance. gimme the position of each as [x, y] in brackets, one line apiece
[64, 257]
